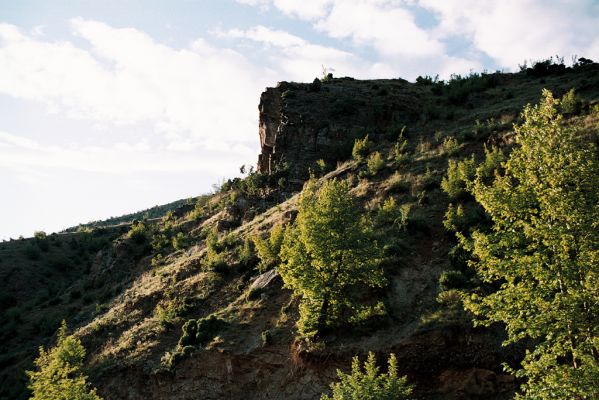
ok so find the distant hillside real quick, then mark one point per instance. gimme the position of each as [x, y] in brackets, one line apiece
[150, 213]
[180, 305]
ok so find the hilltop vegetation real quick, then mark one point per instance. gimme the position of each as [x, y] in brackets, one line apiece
[267, 287]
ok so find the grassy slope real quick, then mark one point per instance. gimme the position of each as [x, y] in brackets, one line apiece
[112, 296]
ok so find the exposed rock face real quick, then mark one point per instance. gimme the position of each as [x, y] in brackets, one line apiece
[270, 122]
[302, 123]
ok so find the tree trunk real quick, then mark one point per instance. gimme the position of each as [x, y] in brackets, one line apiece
[322, 317]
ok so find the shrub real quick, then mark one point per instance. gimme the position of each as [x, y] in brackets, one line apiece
[39, 235]
[450, 145]
[399, 152]
[452, 280]
[315, 85]
[370, 383]
[268, 249]
[375, 163]
[247, 254]
[139, 232]
[361, 148]
[179, 241]
[459, 174]
[570, 104]
[200, 332]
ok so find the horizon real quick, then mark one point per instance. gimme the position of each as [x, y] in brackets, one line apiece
[107, 110]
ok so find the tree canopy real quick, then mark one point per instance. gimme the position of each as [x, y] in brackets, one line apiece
[325, 253]
[58, 375]
[370, 384]
[542, 254]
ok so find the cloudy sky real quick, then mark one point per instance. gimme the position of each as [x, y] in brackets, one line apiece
[111, 106]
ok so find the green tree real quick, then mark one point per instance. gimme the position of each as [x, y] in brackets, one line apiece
[370, 384]
[58, 375]
[542, 253]
[325, 253]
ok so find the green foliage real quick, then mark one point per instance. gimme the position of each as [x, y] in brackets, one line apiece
[390, 213]
[39, 235]
[268, 249]
[179, 241]
[375, 163]
[58, 375]
[139, 232]
[200, 332]
[459, 174]
[169, 313]
[247, 254]
[215, 256]
[452, 280]
[326, 253]
[450, 145]
[361, 148]
[400, 149]
[570, 104]
[369, 383]
[459, 88]
[542, 254]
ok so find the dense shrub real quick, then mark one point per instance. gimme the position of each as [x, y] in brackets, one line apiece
[199, 332]
[361, 148]
[375, 163]
[452, 280]
[268, 248]
[370, 383]
[459, 173]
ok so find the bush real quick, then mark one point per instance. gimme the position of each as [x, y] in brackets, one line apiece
[361, 148]
[268, 249]
[450, 145]
[139, 232]
[179, 241]
[570, 104]
[200, 332]
[375, 163]
[399, 153]
[370, 384]
[453, 280]
[459, 174]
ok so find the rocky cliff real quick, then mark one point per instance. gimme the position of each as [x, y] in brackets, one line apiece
[302, 123]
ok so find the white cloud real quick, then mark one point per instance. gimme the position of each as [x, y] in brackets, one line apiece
[294, 58]
[22, 154]
[507, 31]
[201, 91]
[511, 31]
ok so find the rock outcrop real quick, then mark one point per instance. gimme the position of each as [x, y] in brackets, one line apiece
[302, 123]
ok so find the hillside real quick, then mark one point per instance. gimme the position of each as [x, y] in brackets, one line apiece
[128, 290]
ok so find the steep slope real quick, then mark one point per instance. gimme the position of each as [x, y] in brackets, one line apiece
[146, 280]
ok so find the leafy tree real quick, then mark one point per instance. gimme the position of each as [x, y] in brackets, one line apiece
[370, 384]
[325, 253]
[542, 253]
[59, 375]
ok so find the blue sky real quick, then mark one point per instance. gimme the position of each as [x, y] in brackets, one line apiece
[108, 107]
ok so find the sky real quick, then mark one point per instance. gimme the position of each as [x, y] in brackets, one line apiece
[112, 106]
